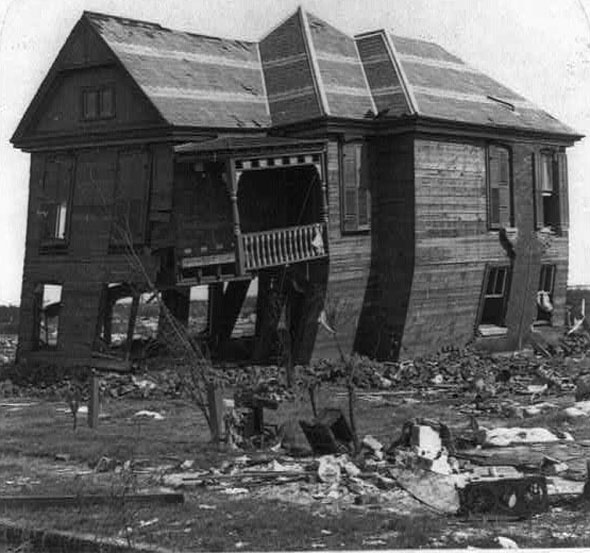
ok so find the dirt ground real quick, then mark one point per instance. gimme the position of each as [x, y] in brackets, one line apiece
[42, 454]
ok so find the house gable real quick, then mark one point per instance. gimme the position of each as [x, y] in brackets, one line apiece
[85, 66]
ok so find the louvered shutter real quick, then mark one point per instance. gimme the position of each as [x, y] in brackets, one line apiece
[350, 177]
[563, 190]
[364, 193]
[499, 187]
[537, 190]
[130, 198]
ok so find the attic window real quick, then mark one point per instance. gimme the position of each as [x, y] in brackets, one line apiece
[98, 103]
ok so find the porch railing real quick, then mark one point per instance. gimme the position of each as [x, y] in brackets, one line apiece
[283, 246]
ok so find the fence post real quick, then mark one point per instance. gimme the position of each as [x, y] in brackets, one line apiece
[94, 400]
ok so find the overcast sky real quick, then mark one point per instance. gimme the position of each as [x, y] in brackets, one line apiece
[540, 48]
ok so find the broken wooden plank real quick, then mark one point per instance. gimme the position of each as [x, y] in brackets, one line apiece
[12, 501]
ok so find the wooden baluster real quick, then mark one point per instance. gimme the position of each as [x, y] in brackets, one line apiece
[299, 245]
[282, 236]
[307, 241]
[273, 247]
[255, 251]
[268, 241]
[288, 238]
[248, 251]
[263, 252]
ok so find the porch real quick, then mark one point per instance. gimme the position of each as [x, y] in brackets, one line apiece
[246, 205]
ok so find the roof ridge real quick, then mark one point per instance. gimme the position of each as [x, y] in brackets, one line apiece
[160, 27]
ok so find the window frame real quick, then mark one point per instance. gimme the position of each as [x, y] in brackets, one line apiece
[98, 92]
[493, 225]
[558, 195]
[350, 224]
[38, 295]
[541, 317]
[504, 296]
[53, 201]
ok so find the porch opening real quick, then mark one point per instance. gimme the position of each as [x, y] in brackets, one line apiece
[48, 304]
[280, 197]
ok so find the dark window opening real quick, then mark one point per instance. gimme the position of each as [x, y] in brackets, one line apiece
[551, 203]
[545, 294]
[48, 303]
[499, 188]
[55, 201]
[98, 103]
[494, 301]
[356, 195]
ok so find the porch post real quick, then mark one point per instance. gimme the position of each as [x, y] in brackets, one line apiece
[233, 191]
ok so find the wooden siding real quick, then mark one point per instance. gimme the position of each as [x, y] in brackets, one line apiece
[453, 247]
[84, 266]
[350, 257]
[61, 110]
[386, 301]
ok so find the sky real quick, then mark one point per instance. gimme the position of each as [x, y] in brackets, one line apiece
[539, 48]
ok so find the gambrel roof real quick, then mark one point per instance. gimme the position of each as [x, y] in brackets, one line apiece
[305, 69]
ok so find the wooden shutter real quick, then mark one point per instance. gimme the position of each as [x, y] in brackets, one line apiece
[500, 212]
[364, 193]
[130, 199]
[350, 180]
[562, 188]
[537, 190]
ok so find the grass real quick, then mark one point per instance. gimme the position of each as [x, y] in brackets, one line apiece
[208, 520]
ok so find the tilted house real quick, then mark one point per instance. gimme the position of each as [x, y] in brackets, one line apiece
[376, 183]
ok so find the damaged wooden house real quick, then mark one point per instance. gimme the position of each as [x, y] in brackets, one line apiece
[376, 186]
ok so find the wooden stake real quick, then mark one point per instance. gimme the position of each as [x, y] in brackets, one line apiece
[94, 401]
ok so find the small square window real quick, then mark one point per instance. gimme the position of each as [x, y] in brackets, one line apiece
[98, 103]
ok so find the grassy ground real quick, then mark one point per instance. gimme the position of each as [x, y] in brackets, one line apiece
[41, 454]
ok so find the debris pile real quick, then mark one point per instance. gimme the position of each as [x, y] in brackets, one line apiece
[421, 469]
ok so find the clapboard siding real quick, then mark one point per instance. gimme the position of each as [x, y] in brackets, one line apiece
[350, 258]
[85, 265]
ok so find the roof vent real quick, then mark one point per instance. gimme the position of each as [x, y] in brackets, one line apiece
[503, 103]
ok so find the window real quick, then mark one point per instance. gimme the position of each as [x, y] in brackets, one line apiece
[551, 202]
[55, 201]
[499, 188]
[98, 103]
[545, 294]
[495, 295]
[129, 221]
[47, 309]
[356, 196]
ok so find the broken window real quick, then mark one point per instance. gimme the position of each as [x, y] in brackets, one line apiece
[494, 301]
[98, 102]
[55, 201]
[129, 221]
[499, 188]
[47, 309]
[545, 294]
[551, 205]
[356, 195]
